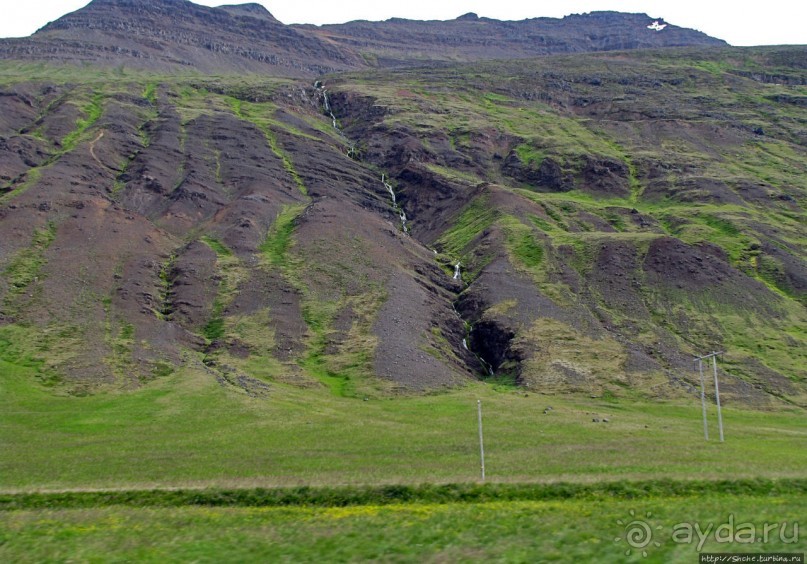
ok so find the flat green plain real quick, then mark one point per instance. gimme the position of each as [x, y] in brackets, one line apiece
[187, 430]
[513, 531]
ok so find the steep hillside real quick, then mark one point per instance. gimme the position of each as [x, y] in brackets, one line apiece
[611, 215]
[614, 215]
[177, 35]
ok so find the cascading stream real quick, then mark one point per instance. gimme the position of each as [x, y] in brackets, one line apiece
[351, 151]
[402, 215]
[487, 367]
[395, 205]
[330, 112]
[326, 103]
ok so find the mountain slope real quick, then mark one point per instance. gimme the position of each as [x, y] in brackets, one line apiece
[163, 35]
[180, 35]
[569, 223]
[397, 42]
[610, 220]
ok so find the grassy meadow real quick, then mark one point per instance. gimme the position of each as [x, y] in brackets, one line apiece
[188, 430]
[513, 531]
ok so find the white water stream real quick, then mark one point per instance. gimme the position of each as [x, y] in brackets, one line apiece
[395, 205]
[401, 214]
[330, 112]
[487, 367]
[351, 151]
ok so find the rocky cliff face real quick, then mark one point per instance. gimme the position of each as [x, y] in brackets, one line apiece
[468, 38]
[164, 34]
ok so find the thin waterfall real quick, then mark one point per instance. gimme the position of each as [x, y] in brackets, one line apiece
[330, 112]
[398, 209]
[351, 151]
[485, 365]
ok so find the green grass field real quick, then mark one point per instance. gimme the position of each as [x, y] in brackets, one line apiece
[187, 430]
[513, 531]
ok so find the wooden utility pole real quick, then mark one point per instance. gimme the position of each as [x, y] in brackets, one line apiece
[703, 401]
[699, 360]
[481, 443]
